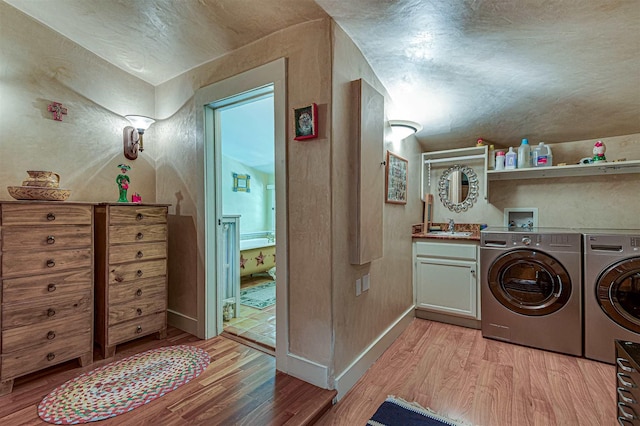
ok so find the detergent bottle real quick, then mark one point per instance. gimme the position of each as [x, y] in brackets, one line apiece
[524, 155]
[511, 159]
[542, 155]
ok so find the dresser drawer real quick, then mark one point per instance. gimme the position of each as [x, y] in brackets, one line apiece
[45, 287]
[38, 334]
[139, 327]
[137, 252]
[46, 237]
[49, 214]
[123, 215]
[136, 309]
[26, 313]
[42, 262]
[148, 288]
[130, 272]
[45, 355]
[128, 234]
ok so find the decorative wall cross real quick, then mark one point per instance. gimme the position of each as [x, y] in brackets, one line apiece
[58, 110]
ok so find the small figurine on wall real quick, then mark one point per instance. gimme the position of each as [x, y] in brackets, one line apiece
[123, 182]
[598, 152]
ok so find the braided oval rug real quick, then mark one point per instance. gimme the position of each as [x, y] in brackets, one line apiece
[123, 385]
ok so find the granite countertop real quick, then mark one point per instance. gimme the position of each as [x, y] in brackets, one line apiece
[474, 228]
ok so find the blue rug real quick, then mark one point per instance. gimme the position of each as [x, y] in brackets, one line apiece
[398, 412]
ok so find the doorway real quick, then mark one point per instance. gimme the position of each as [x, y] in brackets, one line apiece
[271, 74]
[247, 288]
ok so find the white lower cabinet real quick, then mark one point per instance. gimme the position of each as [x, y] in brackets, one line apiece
[446, 281]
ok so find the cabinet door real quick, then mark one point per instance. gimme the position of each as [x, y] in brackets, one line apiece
[447, 286]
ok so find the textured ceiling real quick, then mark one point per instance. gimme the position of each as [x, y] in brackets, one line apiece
[552, 70]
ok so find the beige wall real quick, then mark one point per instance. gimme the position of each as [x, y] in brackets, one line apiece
[607, 201]
[180, 174]
[358, 321]
[40, 66]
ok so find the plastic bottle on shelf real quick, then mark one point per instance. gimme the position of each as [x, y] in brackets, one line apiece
[524, 155]
[492, 157]
[511, 159]
[500, 160]
[542, 155]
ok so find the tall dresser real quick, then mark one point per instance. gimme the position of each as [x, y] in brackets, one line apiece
[46, 275]
[131, 273]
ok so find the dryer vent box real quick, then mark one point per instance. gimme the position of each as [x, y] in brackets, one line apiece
[526, 217]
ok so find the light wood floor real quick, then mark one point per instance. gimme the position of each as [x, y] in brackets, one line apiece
[240, 387]
[457, 373]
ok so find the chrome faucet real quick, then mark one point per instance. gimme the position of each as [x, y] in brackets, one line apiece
[452, 226]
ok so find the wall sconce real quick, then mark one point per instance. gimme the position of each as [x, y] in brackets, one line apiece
[402, 129]
[132, 136]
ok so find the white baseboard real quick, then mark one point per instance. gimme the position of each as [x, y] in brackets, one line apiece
[307, 370]
[182, 322]
[345, 380]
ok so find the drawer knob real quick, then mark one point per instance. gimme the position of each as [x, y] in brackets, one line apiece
[139, 272]
[51, 263]
[626, 396]
[51, 239]
[51, 216]
[624, 365]
[139, 236]
[139, 311]
[51, 287]
[139, 255]
[139, 329]
[51, 335]
[139, 216]
[51, 356]
[51, 312]
[626, 381]
[139, 292]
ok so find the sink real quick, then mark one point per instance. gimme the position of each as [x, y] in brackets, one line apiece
[451, 234]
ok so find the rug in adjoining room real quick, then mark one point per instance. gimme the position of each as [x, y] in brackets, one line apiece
[398, 412]
[121, 386]
[259, 296]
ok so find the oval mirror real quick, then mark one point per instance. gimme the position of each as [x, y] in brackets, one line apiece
[458, 188]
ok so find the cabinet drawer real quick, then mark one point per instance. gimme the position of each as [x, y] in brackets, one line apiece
[136, 309]
[137, 328]
[137, 252]
[45, 355]
[46, 237]
[29, 262]
[446, 250]
[129, 272]
[137, 234]
[38, 334]
[49, 214]
[122, 215]
[149, 288]
[26, 313]
[44, 287]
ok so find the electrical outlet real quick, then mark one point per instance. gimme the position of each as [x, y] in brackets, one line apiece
[358, 287]
[365, 282]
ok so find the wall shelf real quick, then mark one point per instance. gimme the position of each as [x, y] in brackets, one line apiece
[566, 171]
[476, 153]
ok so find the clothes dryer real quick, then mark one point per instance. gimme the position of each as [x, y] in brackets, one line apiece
[611, 292]
[531, 288]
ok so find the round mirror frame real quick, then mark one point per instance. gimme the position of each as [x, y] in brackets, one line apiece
[472, 196]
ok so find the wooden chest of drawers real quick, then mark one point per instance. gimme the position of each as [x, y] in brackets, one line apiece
[627, 382]
[46, 276]
[131, 273]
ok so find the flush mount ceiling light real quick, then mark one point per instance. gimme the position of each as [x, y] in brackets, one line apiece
[402, 129]
[132, 136]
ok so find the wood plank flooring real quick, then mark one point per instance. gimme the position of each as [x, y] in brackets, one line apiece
[457, 373]
[240, 387]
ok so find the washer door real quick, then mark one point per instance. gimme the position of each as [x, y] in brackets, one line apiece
[618, 292]
[529, 282]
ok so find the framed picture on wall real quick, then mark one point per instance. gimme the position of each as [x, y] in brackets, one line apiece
[241, 183]
[396, 179]
[306, 122]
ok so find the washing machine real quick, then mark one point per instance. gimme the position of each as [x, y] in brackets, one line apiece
[611, 292]
[531, 288]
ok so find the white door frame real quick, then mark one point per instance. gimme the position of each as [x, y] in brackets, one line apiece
[271, 73]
